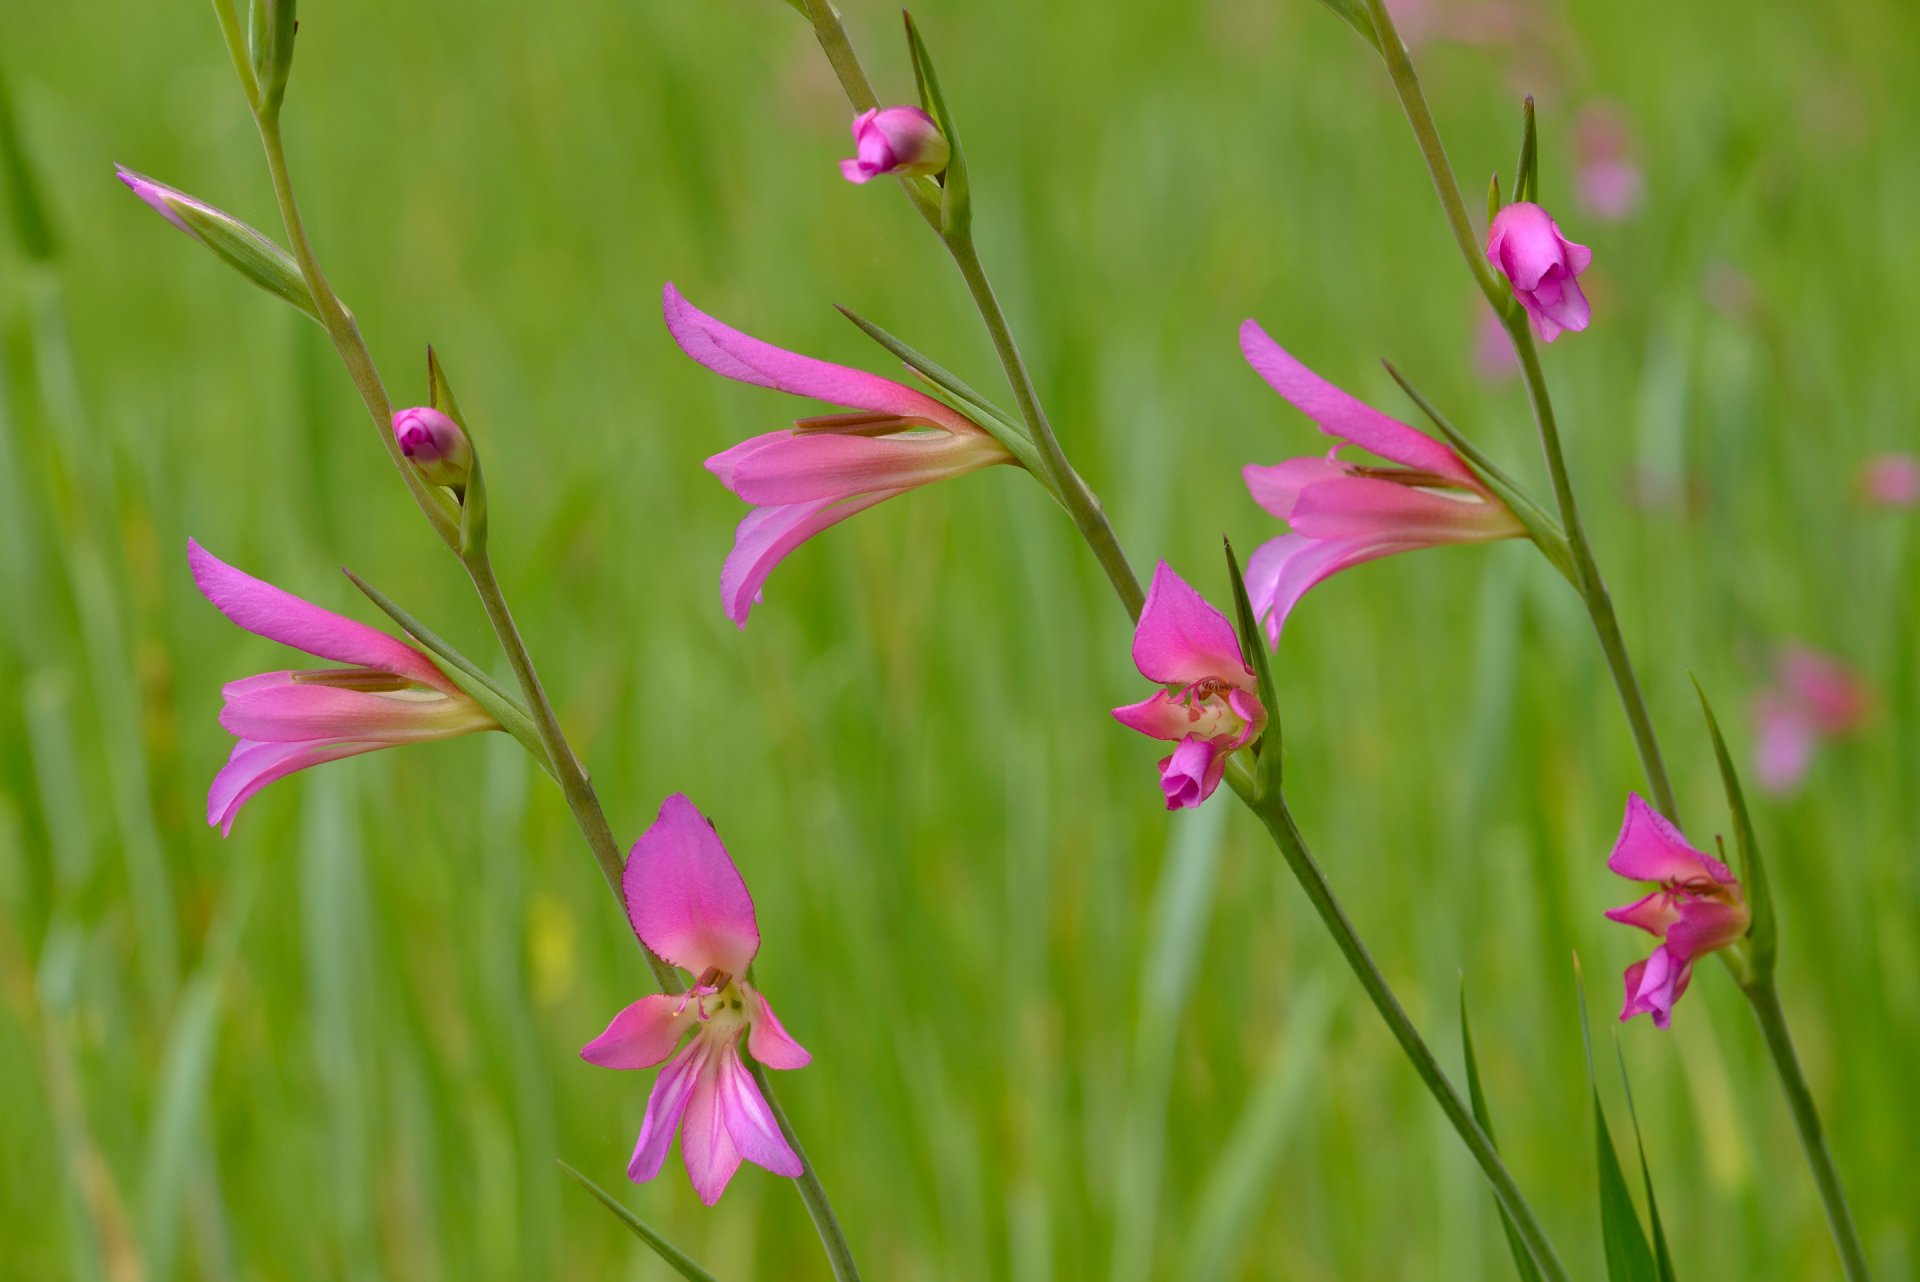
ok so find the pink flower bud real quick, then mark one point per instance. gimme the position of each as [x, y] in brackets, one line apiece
[902, 141]
[435, 445]
[1525, 245]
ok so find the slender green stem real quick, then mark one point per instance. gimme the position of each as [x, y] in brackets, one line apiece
[1300, 861]
[832, 35]
[812, 1192]
[1080, 501]
[1765, 1000]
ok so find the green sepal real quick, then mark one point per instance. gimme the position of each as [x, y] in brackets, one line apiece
[502, 706]
[1253, 643]
[675, 1258]
[1541, 526]
[31, 226]
[473, 495]
[1526, 170]
[1494, 203]
[956, 202]
[244, 249]
[1354, 14]
[1522, 1258]
[270, 33]
[1629, 1258]
[1763, 933]
[1662, 1257]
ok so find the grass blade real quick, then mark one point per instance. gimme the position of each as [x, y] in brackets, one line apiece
[1522, 1259]
[675, 1258]
[1629, 1258]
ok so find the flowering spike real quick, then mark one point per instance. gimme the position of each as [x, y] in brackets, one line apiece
[1525, 245]
[238, 245]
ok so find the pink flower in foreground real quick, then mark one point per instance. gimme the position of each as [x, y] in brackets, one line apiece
[1342, 514]
[1891, 480]
[901, 141]
[1697, 908]
[1813, 698]
[825, 469]
[1525, 245]
[687, 903]
[1211, 708]
[1606, 182]
[287, 721]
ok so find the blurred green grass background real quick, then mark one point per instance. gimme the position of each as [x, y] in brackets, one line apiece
[1057, 1034]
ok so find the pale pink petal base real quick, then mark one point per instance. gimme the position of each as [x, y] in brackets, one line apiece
[769, 1041]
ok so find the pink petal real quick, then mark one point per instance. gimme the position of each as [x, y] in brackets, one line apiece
[855, 172]
[1281, 570]
[686, 900]
[266, 611]
[769, 1040]
[801, 467]
[1190, 775]
[1339, 414]
[728, 352]
[1164, 716]
[1783, 746]
[1651, 849]
[1180, 639]
[1654, 985]
[1833, 696]
[666, 1105]
[749, 1123]
[1277, 488]
[1653, 914]
[1364, 507]
[255, 765]
[768, 534]
[641, 1035]
[273, 707]
[705, 1144]
[1707, 924]
[1525, 244]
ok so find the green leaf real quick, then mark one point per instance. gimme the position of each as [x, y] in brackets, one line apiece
[1354, 14]
[473, 496]
[1522, 1258]
[1493, 199]
[1763, 935]
[271, 32]
[504, 707]
[1629, 1258]
[237, 244]
[956, 202]
[1662, 1258]
[1526, 175]
[675, 1258]
[31, 227]
[1253, 642]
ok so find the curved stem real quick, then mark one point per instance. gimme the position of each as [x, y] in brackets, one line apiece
[1765, 1000]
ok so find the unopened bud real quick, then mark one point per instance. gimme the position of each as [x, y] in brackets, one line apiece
[435, 445]
[900, 141]
[240, 246]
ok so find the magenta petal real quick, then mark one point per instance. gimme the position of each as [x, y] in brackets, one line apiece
[265, 610]
[791, 467]
[767, 535]
[1339, 414]
[686, 900]
[1654, 985]
[705, 1144]
[255, 765]
[666, 1105]
[1180, 639]
[1653, 914]
[273, 707]
[1164, 716]
[1784, 740]
[749, 1123]
[1281, 570]
[732, 354]
[1364, 507]
[769, 1040]
[641, 1035]
[1706, 924]
[1277, 488]
[1651, 849]
[1190, 775]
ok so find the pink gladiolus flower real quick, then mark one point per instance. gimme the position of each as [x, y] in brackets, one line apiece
[901, 141]
[688, 903]
[1891, 480]
[435, 445]
[1211, 708]
[1814, 698]
[1342, 514]
[1606, 181]
[826, 469]
[287, 721]
[1698, 907]
[1525, 245]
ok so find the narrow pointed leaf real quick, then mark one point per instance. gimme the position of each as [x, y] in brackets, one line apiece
[1522, 1258]
[1629, 1258]
[1662, 1258]
[1493, 199]
[1354, 14]
[473, 498]
[956, 200]
[675, 1258]
[1763, 936]
[1526, 175]
[273, 23]
[1254, 642]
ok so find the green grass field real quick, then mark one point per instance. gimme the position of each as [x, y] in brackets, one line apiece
[1057, 1033]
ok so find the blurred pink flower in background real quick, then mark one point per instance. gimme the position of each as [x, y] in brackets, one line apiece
[1697, 907]
[825, 469]
[901, 141]
[1813, 698]
[1525, 245]
[1891, 480]
[1493, 357]
[1342, 514]
[1183, 642]
[1607, 183]
[688, 903]
[287, 721]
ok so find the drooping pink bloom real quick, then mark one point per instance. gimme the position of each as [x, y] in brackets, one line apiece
[1812, 699]
[1891, 480]
[435, 445]
[903, 142]
[1525, 245]
[1211, 707]
[1606, 181]
[1342, 514]
[688, 903]
[286, 721]
[826, 469]
[1698, 906]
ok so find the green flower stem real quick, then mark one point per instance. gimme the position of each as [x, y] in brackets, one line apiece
[1765, 1000]
[812, 1192]
[1293, 847]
